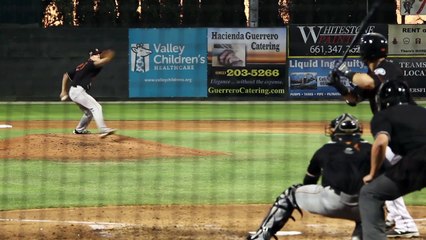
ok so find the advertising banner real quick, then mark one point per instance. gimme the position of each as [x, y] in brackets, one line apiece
[407, 39]
[246, 62]
[414, 73]
[407, 46]
[412, 7]
[313, 53]
[308, 77]
[167, 63]
[326, 40]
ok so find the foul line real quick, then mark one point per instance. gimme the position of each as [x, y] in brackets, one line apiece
[93, 225]
[325, 224]
[109, 225]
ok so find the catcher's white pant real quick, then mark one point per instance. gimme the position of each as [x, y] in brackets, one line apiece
[397, 211]
[90, 107]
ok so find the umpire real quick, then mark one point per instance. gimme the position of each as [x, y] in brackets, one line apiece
[399, 123]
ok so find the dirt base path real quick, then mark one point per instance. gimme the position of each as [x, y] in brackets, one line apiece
[167, 222]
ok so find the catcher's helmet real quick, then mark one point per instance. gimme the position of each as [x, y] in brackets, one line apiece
[373, 46]
[344, 125]
[393, 93]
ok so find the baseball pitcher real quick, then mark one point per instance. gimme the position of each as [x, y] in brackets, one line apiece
[79, 82]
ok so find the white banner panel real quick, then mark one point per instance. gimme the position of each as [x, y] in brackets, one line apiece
[413, 7]
[407, 39]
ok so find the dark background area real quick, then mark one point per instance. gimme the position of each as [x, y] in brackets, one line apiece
[193, 13]
[33, 60]
[21, 12]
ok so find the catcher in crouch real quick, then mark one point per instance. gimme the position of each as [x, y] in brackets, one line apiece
[342, 162]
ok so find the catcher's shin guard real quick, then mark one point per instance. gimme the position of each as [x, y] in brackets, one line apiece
[278, 216]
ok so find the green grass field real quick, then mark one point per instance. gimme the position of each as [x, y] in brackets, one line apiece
[259, 167]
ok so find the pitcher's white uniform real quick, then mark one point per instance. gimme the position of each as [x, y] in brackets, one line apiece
[81, 80]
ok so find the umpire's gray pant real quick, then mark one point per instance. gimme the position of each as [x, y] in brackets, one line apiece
[371, 200]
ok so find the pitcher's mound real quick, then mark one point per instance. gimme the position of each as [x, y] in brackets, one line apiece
[70, 147]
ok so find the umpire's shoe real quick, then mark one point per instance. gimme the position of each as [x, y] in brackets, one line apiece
[357, 233]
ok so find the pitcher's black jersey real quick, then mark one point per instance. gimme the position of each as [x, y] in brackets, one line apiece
[83, 74]
[342, 165]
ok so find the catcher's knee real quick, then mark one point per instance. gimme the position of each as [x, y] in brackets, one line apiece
[290, 195]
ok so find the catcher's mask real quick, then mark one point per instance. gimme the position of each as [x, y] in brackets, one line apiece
[346, 125]
[393, 93]
[373, 46]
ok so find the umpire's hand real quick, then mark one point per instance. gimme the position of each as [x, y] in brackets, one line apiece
[368, 178]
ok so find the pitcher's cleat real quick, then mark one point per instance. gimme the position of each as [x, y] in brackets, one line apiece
[75, 131]
[106, 132]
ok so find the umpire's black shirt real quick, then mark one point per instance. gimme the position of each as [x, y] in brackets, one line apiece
[405, 126]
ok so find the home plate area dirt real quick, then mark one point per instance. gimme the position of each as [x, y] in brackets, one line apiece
[216, 222]
[154, 221]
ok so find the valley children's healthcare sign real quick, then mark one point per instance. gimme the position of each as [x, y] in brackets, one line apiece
[167, 63]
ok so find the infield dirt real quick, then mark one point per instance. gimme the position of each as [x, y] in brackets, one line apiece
[153, 222]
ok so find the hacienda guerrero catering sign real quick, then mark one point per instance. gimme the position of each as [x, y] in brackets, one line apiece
[246, 62]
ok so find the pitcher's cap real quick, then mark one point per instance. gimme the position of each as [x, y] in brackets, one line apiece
[94, 51]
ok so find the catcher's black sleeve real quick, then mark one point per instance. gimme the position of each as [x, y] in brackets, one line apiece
[310, 179]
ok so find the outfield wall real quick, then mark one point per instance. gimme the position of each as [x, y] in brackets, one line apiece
[290, 63]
